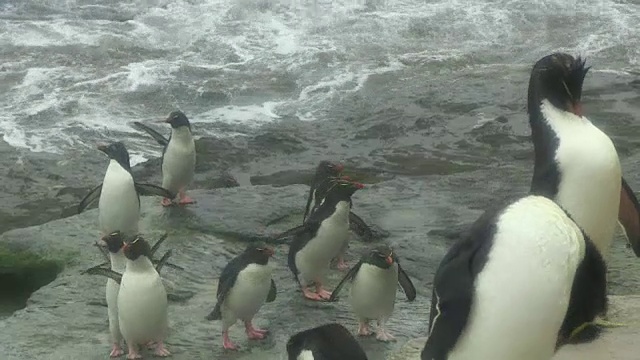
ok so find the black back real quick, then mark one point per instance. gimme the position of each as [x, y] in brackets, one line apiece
[118, 152]
[340, 190]
[320, 184]
[453, 286]
[588, 293]
[557, 78]
[136, 248]
[327, 342]
[254, 253]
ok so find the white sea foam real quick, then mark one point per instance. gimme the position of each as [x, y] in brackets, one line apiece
[76, 76]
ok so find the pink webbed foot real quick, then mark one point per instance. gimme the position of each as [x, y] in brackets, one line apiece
[342, 265]
[185, 199]
[161, 351]
[363, 329]
[254, 333]
[310, 294]
[166, 202]
[382, 334]
[322, 293]
[151, 344]
[116, 351]
[133, 353]
[226, 342]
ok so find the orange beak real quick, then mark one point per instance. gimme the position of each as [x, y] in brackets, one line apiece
[389, 260]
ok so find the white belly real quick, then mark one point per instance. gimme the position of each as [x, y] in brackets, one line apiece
[373, 292]
[179, 161]
[313, 260]
[247, 295]
[142, 306]
[523, 292]
[305, 355]
[591, 176]
[118, 262]
[119, 208]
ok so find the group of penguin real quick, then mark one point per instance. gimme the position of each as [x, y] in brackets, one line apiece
[527, 277]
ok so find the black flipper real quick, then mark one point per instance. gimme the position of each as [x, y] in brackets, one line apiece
[291, 232]
[453, 287]
[302, 237]
[92, 196]
[312, 191]
[156, 135]
[629, 216]
[163, 260]
[360, 227]
[154, 190]
[272, 292]
[406, 284]
[155, 246]
[348, 276]
[223, 290]
[104, 252]
[97, 270]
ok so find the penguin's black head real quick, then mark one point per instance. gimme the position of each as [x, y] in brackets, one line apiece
[342, 189]
[114, 241]
[178, 119]
[136, 248]
[558, 78]
[259, 252]
[328, 169]
[116, 151]
[381, 256]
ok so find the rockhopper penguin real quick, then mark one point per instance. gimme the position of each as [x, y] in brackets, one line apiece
[178, 156]
[324, 235]
[142, 301]
[576, 164]
[245, 285]
[325, 342]
[375, 279]
[119, 204]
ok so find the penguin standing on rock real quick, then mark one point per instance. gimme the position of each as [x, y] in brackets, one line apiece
[119, 204]
[576, 164]
[245, 285]
[178, 156]
[326, 342]
[142, 301]
[516, 287]
[324, 235]
[114, 243]
[373, 290]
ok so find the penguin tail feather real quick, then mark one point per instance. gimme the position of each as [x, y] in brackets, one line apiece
[215, 314]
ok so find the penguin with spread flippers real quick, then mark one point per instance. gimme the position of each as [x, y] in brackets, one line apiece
[178, 156]
[324, 235]
[245, 285]
[576, 163]
[517, 286]
[375, 279]
[326, 342]
[119, 194]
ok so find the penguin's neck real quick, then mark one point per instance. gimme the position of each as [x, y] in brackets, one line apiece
[341, 212]
[118, 261]
[141, 264]
[181, 134]
[115, 169]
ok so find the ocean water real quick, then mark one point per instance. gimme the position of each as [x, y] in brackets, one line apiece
[75, 72]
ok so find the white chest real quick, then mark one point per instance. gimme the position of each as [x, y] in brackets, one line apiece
[249, 291]
[119, 208]
[373, 291]
[329, 239]
[590, 178]
[305, 355]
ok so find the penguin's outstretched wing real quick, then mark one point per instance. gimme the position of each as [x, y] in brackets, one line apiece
[97, 270]
[154, 134]
[163, 260]
[225, 283]
[629, 216]
[290, 233]
[92, 196]
[348, 276]
[406, 284]
[155, 246]
[360, 227]
[272, 292]
[154, 190]
[453, 288]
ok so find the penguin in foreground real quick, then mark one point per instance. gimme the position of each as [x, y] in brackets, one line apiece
[326, 342]
[516, 286]
[119, 204]
[142, 301]
[245, 285]
[373, 290]
[324, 235]
[576, 164]
[178, 156]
